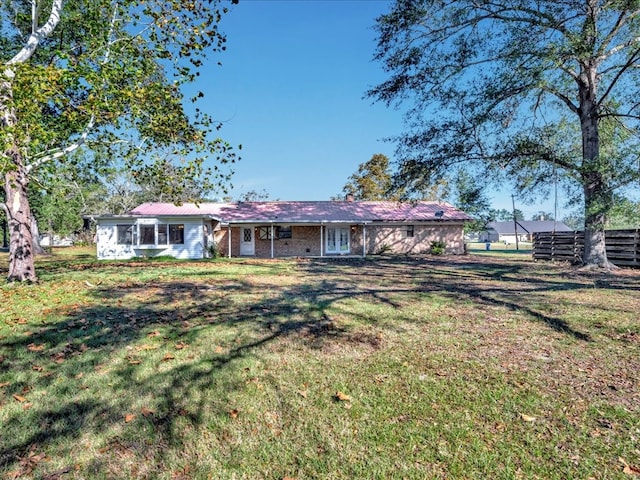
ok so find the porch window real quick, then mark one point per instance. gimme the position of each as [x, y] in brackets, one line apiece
[147, 234]
[176, 234]
[162, 234]
[126, 234]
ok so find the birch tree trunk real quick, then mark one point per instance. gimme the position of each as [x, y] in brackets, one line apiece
[21, 264]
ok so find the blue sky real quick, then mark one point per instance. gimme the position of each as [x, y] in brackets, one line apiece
[290, 90]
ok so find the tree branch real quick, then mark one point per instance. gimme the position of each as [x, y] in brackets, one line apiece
[38, 35]
[58, 153]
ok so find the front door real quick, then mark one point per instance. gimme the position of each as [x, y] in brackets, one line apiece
[247, 241]
[338, 240]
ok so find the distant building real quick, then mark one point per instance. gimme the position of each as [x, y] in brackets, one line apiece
[506, 231]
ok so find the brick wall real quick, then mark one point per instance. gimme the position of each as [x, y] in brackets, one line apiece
[305, 240]
[395, 238]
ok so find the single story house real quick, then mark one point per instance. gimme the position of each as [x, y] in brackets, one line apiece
[280, 229]
[506, 231]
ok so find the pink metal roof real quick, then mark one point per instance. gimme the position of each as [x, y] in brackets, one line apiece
[308, 212]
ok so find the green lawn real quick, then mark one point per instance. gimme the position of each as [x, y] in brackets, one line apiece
[482, 366]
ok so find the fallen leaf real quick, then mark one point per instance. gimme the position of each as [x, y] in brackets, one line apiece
[167, 357]
[155, 333]
[37, 368]
[343, 397]
[19, 398]
[629, 469]
[234, 413]
[219, 349]
[180, 346]
[302, 393]
[32, 347]
[4, 384]
[26, 406]
[527, 418]
[147, 412]
[129, 417]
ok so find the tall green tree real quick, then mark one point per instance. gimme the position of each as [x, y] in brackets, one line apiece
[472, 198]
[491, 84]
[107, 76]
[372, 181]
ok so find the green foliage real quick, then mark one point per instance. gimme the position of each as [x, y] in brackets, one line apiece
[114, 72]
[625, 214]
[471, 198]
[214, 251]
[109, 78]
[437, 248]
[372, 181]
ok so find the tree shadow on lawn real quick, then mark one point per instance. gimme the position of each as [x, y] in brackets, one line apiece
[138, 337]
[62, 360]
[486, 281]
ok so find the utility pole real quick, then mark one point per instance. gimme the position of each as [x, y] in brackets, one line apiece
[515, 221]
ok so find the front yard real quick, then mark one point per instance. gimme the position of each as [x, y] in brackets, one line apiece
[480, 366]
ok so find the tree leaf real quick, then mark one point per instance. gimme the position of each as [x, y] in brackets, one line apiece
[19, 398]
[129, 417]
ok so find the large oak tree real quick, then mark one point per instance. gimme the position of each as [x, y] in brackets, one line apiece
[508, 87]
[106, 76]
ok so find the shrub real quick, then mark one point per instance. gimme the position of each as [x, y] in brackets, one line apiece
[213, 250]
[438, 247]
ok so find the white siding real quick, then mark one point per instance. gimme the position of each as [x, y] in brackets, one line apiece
[108, 248]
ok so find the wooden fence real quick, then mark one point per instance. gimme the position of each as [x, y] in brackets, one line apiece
[623, 246]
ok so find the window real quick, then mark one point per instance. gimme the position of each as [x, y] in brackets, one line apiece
[162, 234]
[409, 231]
[264, 233]
[283, 232]
[126, 234]
[176, 234]
[147, 234]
